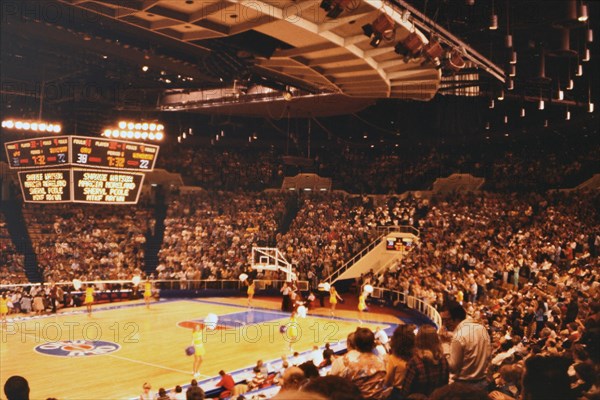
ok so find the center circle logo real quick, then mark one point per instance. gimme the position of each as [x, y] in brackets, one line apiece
[77, 348]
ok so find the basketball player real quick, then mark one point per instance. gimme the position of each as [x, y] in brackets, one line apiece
[199, 350]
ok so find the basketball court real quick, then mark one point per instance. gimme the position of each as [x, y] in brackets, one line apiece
[112, 353]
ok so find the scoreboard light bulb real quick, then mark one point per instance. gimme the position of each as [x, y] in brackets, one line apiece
[49, 128]
[137, 135]
[138, 126]
[145, 126]
[130, 125]
[160, 127]
[42, 127]
[107, 132]
[26, 125]
[34, 126]
[151, 136]
[115, 133]
[152, 127]
[144, 135]
[10, 124]
[19, 125]
[123, 134]
[57, 128]
[122, 124]
[160, 136]
[130, 135]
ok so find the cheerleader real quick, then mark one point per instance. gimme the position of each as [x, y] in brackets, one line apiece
[333, 299]
[250, 292]
[199, 350]
[147, 292]
[3, 308]
[362, 304]
[89, 299]
[292, 331]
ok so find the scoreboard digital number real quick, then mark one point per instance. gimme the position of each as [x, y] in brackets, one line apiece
[38, 152]
[96, 186]
[81, 186]
[81, 151]
[47, 186]
[114, 154]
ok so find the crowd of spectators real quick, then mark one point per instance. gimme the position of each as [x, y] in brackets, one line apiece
[227, 169]
[209, 235]
[11, 261]
[88, 242]
[536, 163]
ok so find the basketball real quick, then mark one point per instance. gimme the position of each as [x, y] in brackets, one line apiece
[283, 329]
[189, 351]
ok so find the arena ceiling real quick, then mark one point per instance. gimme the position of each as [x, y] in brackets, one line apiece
[259, 57]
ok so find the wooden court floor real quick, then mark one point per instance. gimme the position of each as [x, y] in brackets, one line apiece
[112, 353]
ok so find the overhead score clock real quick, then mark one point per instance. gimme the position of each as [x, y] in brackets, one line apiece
[81, 151]
[76, 185]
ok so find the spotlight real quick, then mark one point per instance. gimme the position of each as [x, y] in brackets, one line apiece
[433, 51]
[334, 7]
[145, 68]
[381, 28]
[410, 46]
[541, 104]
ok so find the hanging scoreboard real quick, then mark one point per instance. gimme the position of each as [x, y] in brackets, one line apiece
[81, 169]
[81, 151]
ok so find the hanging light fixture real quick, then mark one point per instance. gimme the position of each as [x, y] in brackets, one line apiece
[508, 39]
[501, 95]
[568, 114]
[541, 103]
[560, 94]
[586, 54]
[522, 114]
[493, 19]
[590, 104]
[512, 71]
[589, 35]
[511, 84]
[582, 14]
[492, 104]
[571, 83]
[513, 57]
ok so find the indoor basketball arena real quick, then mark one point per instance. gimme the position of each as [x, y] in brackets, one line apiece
[299, 199]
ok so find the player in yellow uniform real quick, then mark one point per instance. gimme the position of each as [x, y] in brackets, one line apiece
[333, 299]
[89, 299]
[292, 330]
[250, 292]
[3, 308]
[199, 351]
[147, 292]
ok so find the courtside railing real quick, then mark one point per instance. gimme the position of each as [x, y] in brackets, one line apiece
[412, 302]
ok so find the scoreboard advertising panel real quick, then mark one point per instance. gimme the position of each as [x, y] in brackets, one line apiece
[81, 186]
